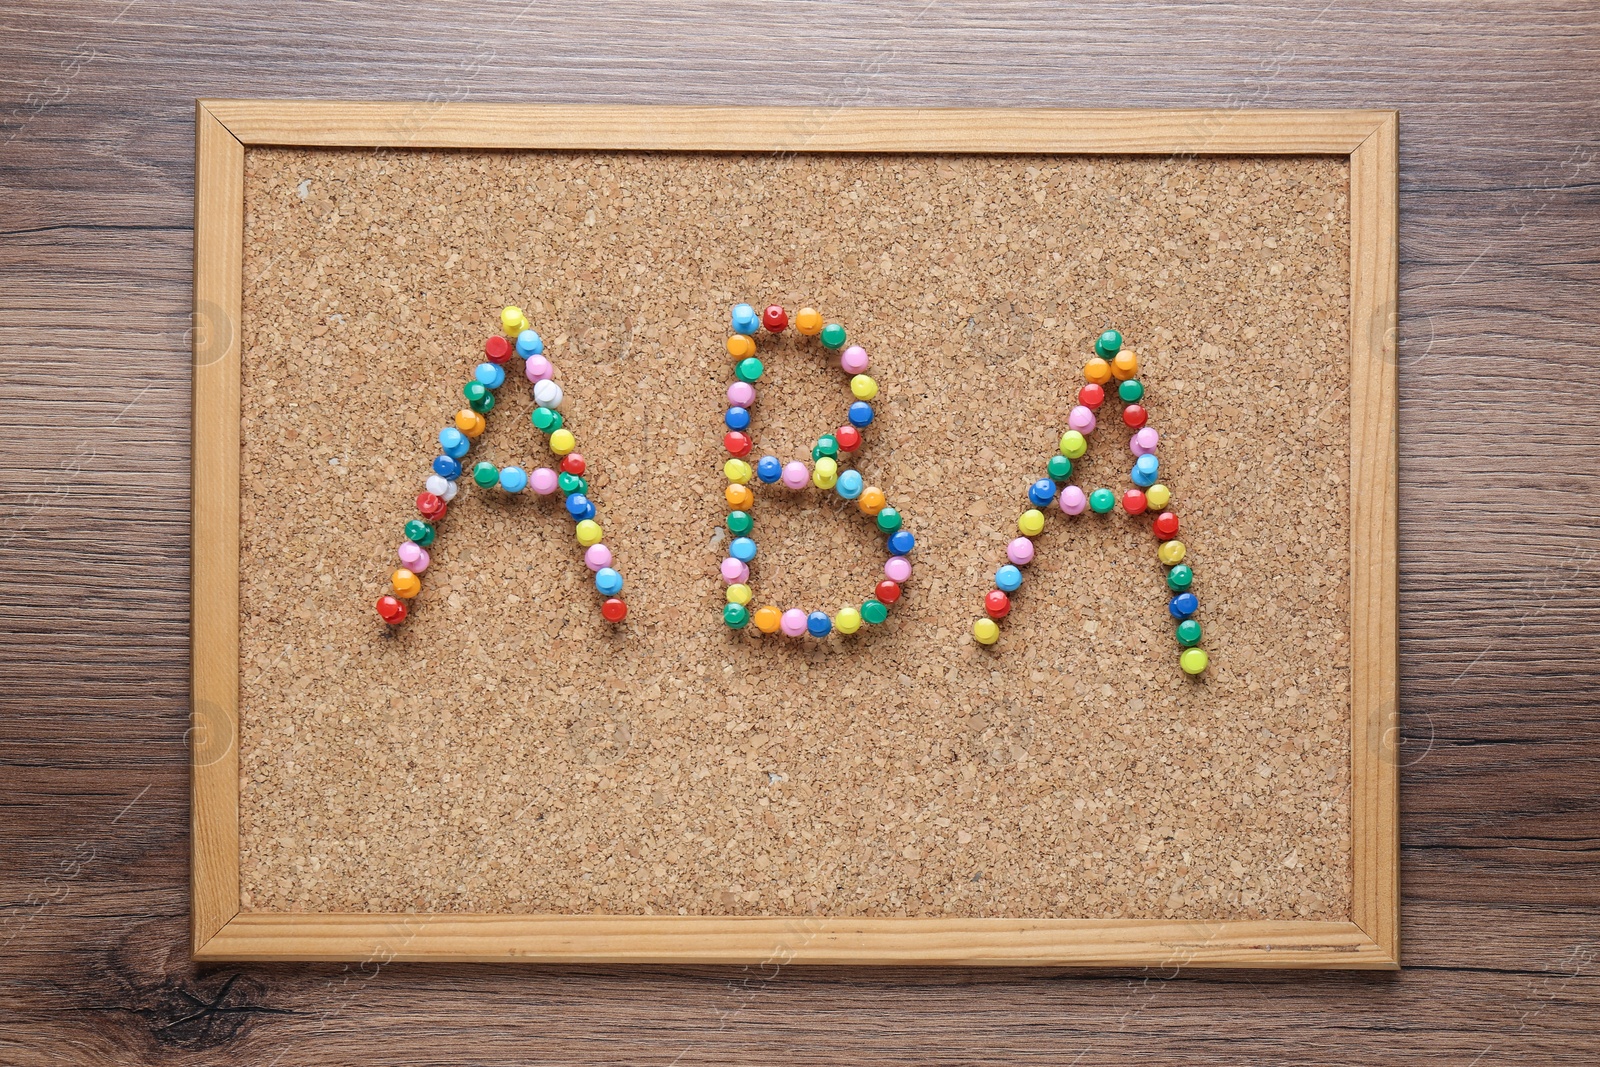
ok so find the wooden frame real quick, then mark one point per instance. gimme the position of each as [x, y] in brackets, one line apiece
[221, 931]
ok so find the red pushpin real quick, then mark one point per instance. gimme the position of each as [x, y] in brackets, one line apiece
[572, 463]
[1091, 395]
[613, 609]
[391, 610]
[996, 604]
[497, 348]
[1134, 415]
[431, 506]
[887, 591]
[737, 443]
[1134, 503]
[775, 319]
[849, 438]
[1166, 526]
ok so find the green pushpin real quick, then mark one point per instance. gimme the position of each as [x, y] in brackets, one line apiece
[888, 520]
[1059, 468]
[735, 615]
[1102, 501]
[833, 336]
[739, 523]
[1109, 344]
[419, 532]
[485, 474]
[874, 611]
[1179, 578]
[1188, 633]
[749, 369]
[1131, 390]
[479, 398]
[827, 445]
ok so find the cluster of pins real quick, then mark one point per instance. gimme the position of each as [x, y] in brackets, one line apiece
[520, 340]
[1117, 369]
[831, 450]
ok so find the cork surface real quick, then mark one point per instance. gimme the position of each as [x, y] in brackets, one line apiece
[507, 750]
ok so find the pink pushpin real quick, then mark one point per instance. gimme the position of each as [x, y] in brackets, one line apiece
[796, 476]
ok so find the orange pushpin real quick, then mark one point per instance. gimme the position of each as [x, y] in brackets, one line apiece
[406, 584]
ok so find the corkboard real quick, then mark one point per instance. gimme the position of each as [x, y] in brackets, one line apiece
[507, 751]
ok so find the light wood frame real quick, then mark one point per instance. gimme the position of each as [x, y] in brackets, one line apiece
[221, 931]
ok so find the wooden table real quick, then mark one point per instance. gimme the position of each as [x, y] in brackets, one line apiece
[1500, 622]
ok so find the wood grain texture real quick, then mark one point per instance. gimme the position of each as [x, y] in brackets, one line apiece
[1374, 688]
[268, 937]
[1498, 615]
[218, 290]
[447, 124]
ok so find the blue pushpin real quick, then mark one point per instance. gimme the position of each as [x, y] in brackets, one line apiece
[455, 443]
[490, 375]
[849, 484]
[745, 319]
[770, 468]
[608, 581]
[513, 479]
[901, 543]
[860, 413]
[446, 468]
[1041, 492]
[577, 505]
[1183, 605]
[1007, 579]
[818, 624]
[742, 549]
[737, 418]
[1145, 469]
[529, 344]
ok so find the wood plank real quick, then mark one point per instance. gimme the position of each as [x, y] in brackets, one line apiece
[791, 129]
[1524, 988]
[214, 611]
[1374, 506]
[271, 937]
